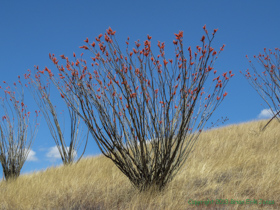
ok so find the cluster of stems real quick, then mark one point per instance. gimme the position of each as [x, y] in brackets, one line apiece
[267, 84]
[141, 96]
[41, 95]
[15, 140]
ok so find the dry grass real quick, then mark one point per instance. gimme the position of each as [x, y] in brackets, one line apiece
[233, 162]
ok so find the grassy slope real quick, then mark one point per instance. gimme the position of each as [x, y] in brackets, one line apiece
[233, 162]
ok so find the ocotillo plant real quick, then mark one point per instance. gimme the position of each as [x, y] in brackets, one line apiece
[135, 98]
[267, 83]
[41, 95]
[14, 131]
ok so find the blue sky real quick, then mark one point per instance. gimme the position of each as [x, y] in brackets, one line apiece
[30, 30]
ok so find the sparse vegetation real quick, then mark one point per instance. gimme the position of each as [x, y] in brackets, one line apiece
[233, 162]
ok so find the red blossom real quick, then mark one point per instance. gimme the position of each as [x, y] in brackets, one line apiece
[210, 68]
[203, 38]
[84, 47]
[179, 35]
[133, 95]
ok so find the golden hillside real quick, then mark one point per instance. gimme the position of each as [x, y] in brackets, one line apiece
[235, 162]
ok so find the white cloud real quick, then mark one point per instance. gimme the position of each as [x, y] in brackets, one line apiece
[31, 156]
[54, 154]
[266, 113]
